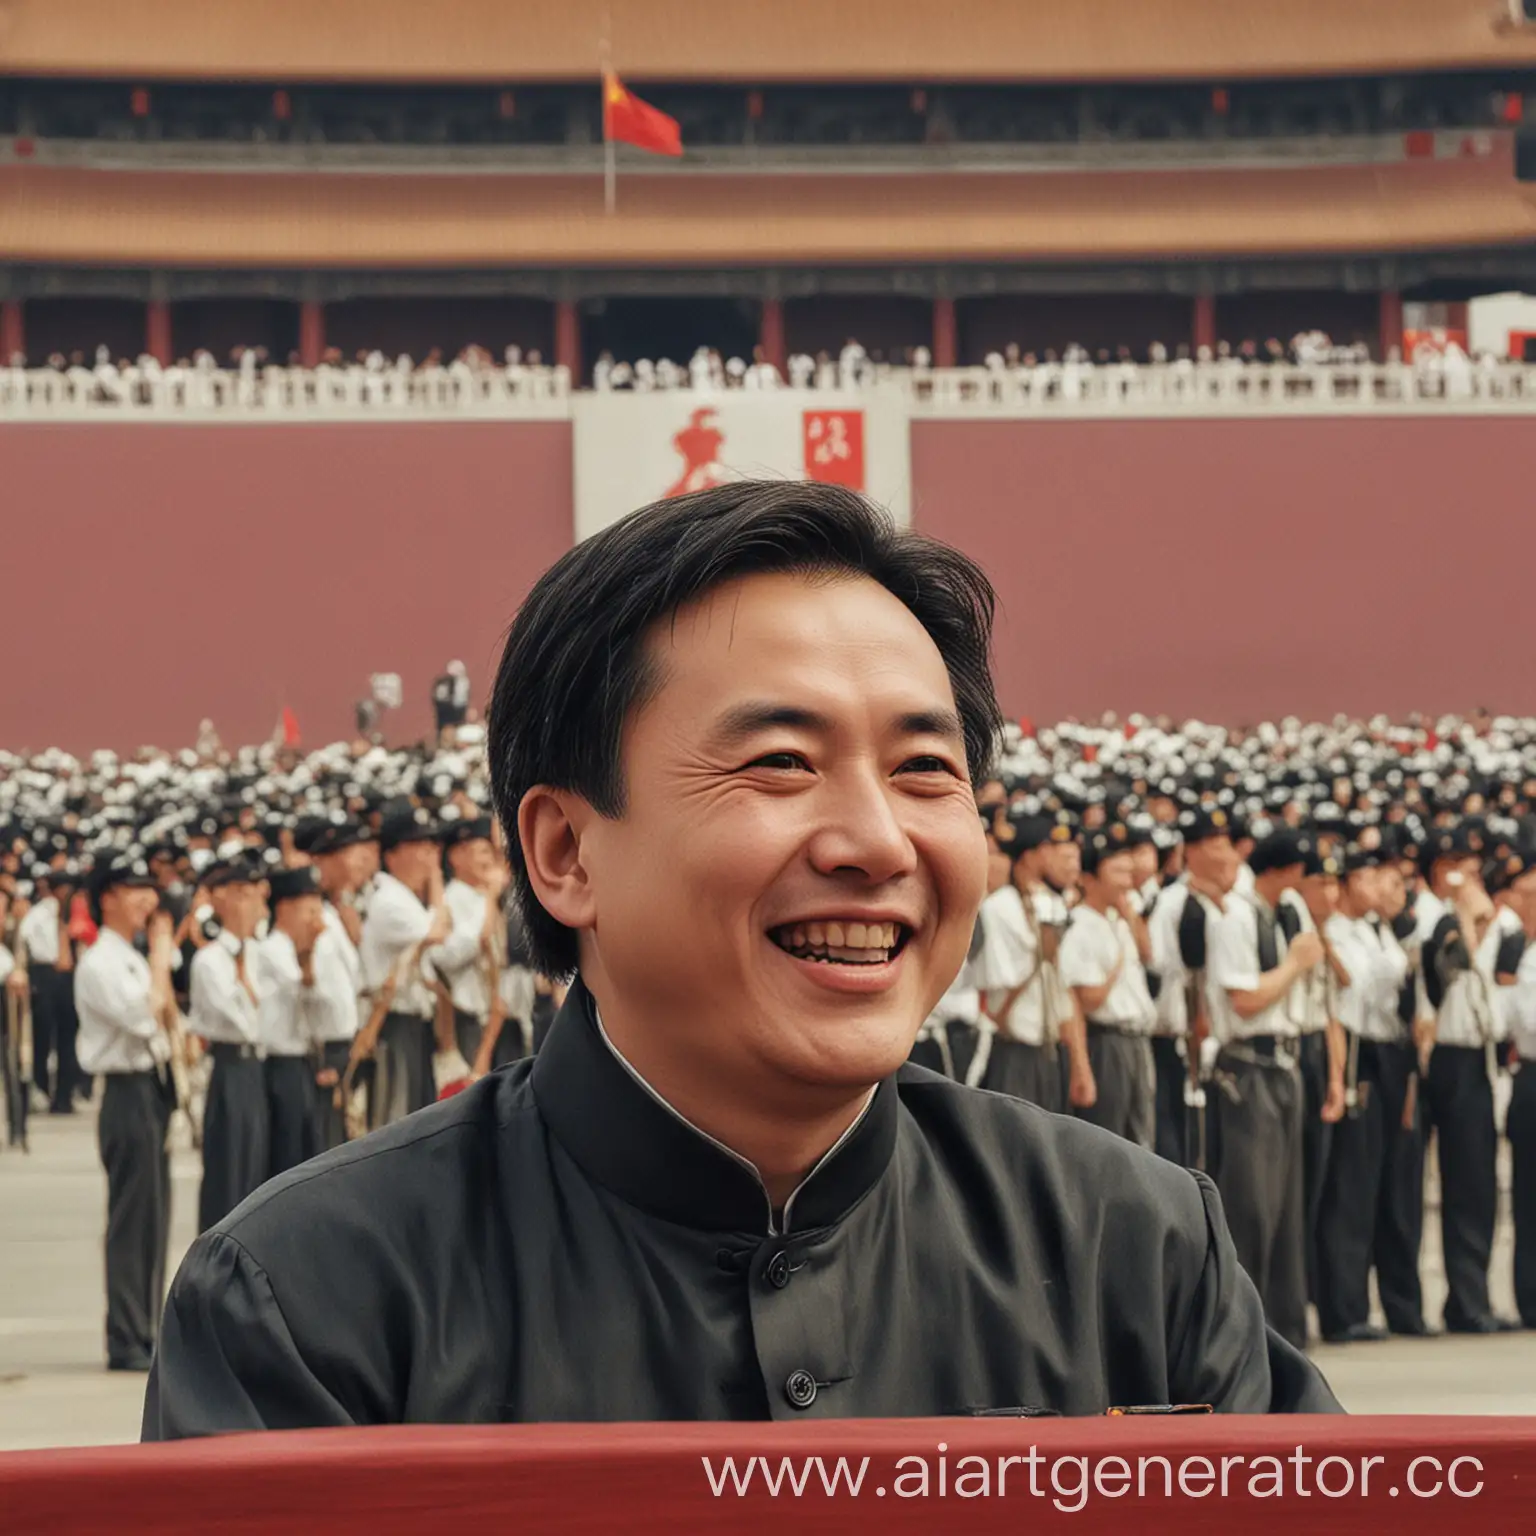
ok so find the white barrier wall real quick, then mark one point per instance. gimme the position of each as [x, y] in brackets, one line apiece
[631, 449]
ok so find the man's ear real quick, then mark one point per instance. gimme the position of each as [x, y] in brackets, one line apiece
[549, 823]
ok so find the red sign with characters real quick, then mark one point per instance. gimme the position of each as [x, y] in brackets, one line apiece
[834, 447]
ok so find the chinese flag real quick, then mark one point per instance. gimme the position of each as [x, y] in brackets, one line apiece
[628, 120]
[290, 727]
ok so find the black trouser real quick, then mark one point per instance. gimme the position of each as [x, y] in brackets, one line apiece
[135, 1111]
[1316, 1135]
[1352, 1192]
[1461, 1110]
[1024, 1071]
[1400, 1208]
[1172, 1074]
[330, 1122]
[402, 1074]
[468, 1031]
[1258, 1109]
[236, 1133]
[54, 1025]
[952, 1056]
[1521, 1125]
[291, 1132]
[1126, 1081]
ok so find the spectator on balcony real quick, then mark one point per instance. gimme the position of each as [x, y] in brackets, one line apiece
[851, 364]
[762, 374]
[802, 370]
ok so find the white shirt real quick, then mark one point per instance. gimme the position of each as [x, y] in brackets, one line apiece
[1009, 958]
[1377, 968]
[395, 924]
[39, 932]
[285, 1017]
[1313, 1000]
[459, 959]
[1094, 941]
[338, 980]
[1503, 925]
[118, 1030]
[1233, 965]
[1466, 1016]
[222, 1011]
[1168, 959]
[1521, 1010]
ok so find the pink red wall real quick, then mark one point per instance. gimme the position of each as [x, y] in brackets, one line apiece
[151, 575]
[1241, 570]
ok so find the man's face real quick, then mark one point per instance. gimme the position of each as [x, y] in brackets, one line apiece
[411, 863]
[798, 774]
[1321, 894]
[1116, 875]
[1391, 891]
[471, 861]
[239, 908]
[1061, 864]
[1144, 863]
[130, 904]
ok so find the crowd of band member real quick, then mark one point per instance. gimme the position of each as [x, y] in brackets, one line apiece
[1283, 957]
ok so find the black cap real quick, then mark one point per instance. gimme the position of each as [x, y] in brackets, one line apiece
[122, 869]
[466, 830]
[1315, 862]
[341, 832]
[407, 825]
[1104, 843]
[1201, 826]
[1280, 850]
[239, 870]
[289, 884]
[1357, 858]
[1447, 843]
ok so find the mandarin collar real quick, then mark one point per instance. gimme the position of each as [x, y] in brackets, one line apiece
[625, 1138]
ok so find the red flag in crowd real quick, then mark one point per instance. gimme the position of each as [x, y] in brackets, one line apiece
[628, 120]
[290, 727]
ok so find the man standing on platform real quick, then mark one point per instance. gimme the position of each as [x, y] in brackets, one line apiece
[125, 1004]
[338, 851]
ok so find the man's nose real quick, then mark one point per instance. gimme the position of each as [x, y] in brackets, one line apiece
[862, 829]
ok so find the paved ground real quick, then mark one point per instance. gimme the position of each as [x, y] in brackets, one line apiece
[54, 1390]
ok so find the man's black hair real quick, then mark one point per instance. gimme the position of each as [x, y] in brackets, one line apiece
[576, 663]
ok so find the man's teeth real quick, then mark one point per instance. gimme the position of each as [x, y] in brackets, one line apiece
[850, 942]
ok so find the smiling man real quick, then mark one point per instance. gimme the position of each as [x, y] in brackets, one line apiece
[734, 741]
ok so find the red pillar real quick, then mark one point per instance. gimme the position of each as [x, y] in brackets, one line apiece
[311, 333]
[1390, 323]
[13, 330]
[157, 331]
[770, 332]
[568, 338]
[1205, 321]
[945, 353]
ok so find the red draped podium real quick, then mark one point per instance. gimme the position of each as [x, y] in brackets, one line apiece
[1094, 1475]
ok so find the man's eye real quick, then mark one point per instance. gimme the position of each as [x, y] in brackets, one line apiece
[780, 760]
[926, 765]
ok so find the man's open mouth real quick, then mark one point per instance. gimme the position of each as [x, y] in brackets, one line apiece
[842, 943]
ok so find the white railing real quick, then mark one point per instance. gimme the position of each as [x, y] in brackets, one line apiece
[146, 391]
[1221, 388]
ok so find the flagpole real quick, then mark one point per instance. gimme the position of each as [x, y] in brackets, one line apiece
[610, 153]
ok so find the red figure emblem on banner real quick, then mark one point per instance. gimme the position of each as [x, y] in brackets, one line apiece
[699, 444]
[834, 447]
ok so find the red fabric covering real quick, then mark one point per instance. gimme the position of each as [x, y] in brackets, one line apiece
[579, 1479]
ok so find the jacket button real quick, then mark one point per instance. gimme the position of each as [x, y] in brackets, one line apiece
[800, 1389]
[778, 1271]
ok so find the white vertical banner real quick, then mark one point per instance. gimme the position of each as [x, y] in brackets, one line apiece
[635, 448]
